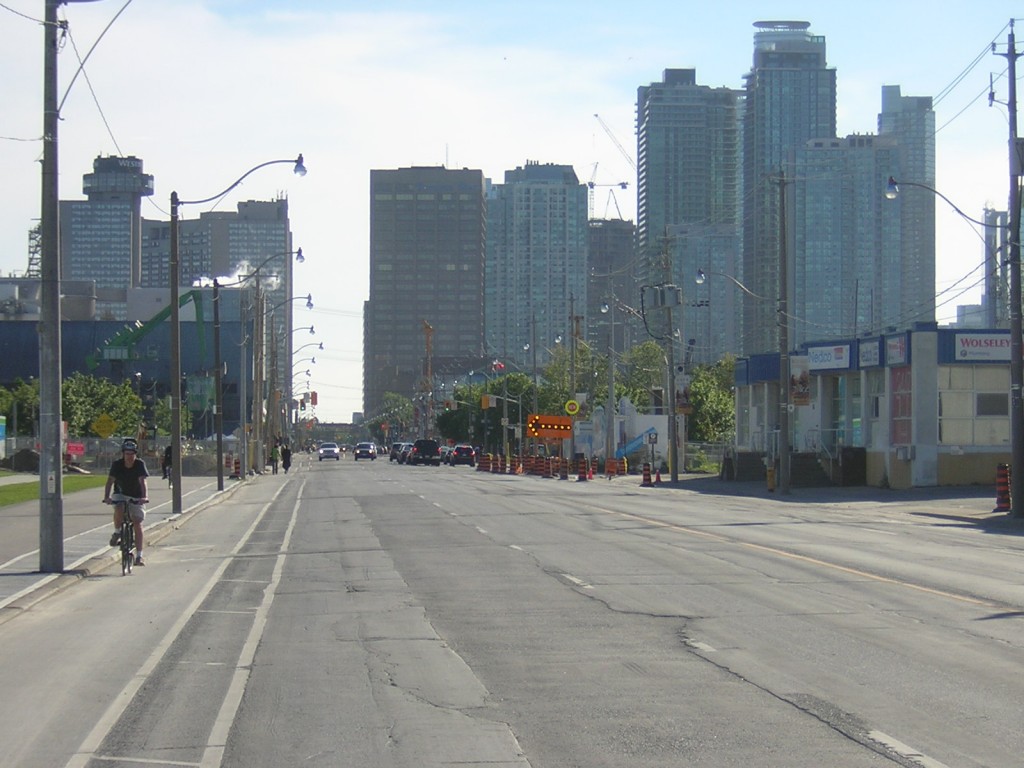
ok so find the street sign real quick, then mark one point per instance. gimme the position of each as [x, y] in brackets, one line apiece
[544, 425]
[572, 407]
[104, 426]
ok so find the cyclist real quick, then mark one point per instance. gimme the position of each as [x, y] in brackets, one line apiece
[127, 476]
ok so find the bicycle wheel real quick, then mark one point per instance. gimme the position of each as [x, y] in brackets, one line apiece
[127, 545]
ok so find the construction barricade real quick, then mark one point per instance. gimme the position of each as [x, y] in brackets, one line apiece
[1002, 488]
[647, 476]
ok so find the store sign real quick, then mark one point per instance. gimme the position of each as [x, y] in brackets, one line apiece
[869, 353]
[896, 350]
[982, 346]
[833, 358]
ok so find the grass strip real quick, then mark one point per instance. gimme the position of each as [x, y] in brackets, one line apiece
[17, 493]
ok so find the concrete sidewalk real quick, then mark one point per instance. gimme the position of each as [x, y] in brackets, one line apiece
[89, 551]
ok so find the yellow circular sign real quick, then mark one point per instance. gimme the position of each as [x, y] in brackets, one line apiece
[572, 407]
[104, 426]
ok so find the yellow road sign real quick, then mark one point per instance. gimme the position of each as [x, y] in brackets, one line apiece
[104, 426]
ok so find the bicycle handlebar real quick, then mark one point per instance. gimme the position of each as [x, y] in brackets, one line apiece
[117, 498]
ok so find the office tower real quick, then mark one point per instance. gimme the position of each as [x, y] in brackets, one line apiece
[100, 237]
[910, 120]
[790, 99]
[612, 283]
[536, 277]
[424, 316]
[688, 153]
[230, 245]
[847, 277]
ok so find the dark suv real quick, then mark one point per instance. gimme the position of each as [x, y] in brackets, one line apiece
[425, 452]
[463, 454]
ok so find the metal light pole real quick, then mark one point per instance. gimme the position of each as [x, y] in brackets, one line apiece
[175, 370]
[609, 427]
[783, 484]
[218, 385]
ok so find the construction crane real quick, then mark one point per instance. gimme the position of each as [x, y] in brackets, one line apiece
[625, 154]
[592, 185]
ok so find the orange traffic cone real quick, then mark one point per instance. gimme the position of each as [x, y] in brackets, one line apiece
[657, 476]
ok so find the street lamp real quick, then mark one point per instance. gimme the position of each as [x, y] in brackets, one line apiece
[609, 427]
[242, 395]
[175, 374]
[892, 191]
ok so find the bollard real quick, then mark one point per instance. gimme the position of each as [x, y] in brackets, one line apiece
[771, 478]
[646, 483]
[1002, 488]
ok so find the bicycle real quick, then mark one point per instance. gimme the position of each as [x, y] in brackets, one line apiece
[127, 531]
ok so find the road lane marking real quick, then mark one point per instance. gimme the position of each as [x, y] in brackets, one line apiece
[217, 741]
[88, 749]
[904, 750]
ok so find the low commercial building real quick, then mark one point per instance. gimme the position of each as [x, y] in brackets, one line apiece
[921, 407]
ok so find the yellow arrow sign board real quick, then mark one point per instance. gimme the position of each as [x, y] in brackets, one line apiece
[543, 425]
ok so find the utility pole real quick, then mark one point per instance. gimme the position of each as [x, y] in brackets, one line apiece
[1016, 335]
[783, 482]
[51, 505]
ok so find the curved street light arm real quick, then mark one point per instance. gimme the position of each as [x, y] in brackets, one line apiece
[702, 274]
[299, 169]
[892, 191]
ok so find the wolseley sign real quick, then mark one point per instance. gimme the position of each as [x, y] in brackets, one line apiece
[982, 346]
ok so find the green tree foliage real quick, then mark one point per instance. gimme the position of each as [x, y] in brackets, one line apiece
[643, 367]
[23, 397]
[86, 398]
[711, 393]
[397, 412]
[162, 417]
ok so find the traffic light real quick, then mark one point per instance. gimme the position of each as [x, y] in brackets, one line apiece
[302, 405]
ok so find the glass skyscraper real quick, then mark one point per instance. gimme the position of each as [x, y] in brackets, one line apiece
[790, 99]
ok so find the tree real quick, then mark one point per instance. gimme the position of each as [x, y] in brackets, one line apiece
[23, 398]
[397, 412]
[643, 368]
[711, 394]
[162, 417]
[86, 398]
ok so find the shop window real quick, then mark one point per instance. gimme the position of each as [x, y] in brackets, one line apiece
[993, 404]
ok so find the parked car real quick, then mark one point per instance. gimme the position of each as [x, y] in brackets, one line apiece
[425, 452]
[329, 451]
[365, 451]
[463, 454]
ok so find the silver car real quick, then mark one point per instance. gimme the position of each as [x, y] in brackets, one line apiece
[329, 451]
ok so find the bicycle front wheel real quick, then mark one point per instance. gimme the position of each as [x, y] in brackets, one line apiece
[127, 545]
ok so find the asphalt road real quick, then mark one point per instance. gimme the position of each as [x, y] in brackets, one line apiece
[372, 614]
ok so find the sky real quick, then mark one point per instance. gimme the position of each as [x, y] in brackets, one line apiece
[203, 90]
